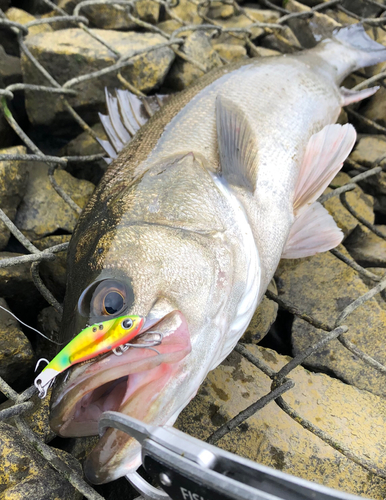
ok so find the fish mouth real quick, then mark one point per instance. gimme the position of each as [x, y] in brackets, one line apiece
[131, 383]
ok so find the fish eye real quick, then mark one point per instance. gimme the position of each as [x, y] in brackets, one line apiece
[113, 302]
[103, 298]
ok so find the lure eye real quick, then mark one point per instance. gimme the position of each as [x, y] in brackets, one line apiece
[113, 302]
[127, 323]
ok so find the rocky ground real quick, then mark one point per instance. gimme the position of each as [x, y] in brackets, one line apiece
[330, 427]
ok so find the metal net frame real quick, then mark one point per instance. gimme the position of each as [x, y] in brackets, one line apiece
[281, 381]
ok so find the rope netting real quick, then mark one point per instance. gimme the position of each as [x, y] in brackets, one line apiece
[281, 380]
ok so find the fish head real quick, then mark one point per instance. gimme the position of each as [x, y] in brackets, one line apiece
[172, 277]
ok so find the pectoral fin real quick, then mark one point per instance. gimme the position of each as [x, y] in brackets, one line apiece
[236, 144]
[312, 232]
[325, 153]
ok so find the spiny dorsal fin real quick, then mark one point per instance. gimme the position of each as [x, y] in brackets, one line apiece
[236, 144]
[349, 96]
[126, 114]
[325, 153]
[313, 231]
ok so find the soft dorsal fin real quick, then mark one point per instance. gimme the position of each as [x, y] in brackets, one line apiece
[349, 96]
[126, 114]
[237, 145]
[312, 232]
[324, 156]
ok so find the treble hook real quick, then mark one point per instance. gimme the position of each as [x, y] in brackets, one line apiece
[118, 351]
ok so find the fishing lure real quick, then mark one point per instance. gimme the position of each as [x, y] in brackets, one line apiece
[110, 335]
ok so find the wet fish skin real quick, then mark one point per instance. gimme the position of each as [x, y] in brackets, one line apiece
[185, 239]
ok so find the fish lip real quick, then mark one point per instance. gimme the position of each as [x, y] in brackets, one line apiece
[63, 405]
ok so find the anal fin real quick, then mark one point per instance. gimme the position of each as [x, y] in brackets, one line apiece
[237, 145]
[350, 96]
[313, 231]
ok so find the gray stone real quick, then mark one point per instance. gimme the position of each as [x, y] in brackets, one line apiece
[10, 70]
[370, 251]
[323, 286]
[43, 211]
[70, 53]
[262, 320]
[53, 272]
[362, 203]
[198, 47]
[16, 355]
[26, 474]
[356, 419]
[13, 185]
[370, 150]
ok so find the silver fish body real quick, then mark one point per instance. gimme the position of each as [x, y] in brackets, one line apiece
[188, 227]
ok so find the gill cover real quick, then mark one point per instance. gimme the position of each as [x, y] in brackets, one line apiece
[89, 343]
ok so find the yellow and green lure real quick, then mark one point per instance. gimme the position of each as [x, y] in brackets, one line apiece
[89, 343]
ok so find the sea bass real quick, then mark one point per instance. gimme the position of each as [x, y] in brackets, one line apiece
[189, 223]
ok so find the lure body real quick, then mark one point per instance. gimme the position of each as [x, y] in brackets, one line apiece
[89, 343]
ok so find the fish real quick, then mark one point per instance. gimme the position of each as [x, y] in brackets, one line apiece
[200, 202]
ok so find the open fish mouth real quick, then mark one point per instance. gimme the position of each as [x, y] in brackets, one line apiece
[130, 383]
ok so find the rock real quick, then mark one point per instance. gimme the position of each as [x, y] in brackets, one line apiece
[13, 185]
[271, 437]
[340, 17]
[198, 47]
[10, 70]
[7, 135]
[83, 145]
[148, 10]
[53, 272]
[15, 281]
[370, 251]
[4, 4]
[43, 211]
[22, 17]
[38, 417]
[370, 150]
[375, 108]
[70, 53]
[362, 203]
[323, 286]
[57, 25]
[49, 321]
[170, 26]
[283, 41]
[26, 474]
[262, 320]
[108, 17]
[186, 10]
[219, 10]
[245, 21]
[308, 33]
[264, 52]
[229, 51]
[16, 355]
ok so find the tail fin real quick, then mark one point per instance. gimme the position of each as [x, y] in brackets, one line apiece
[367, 50]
